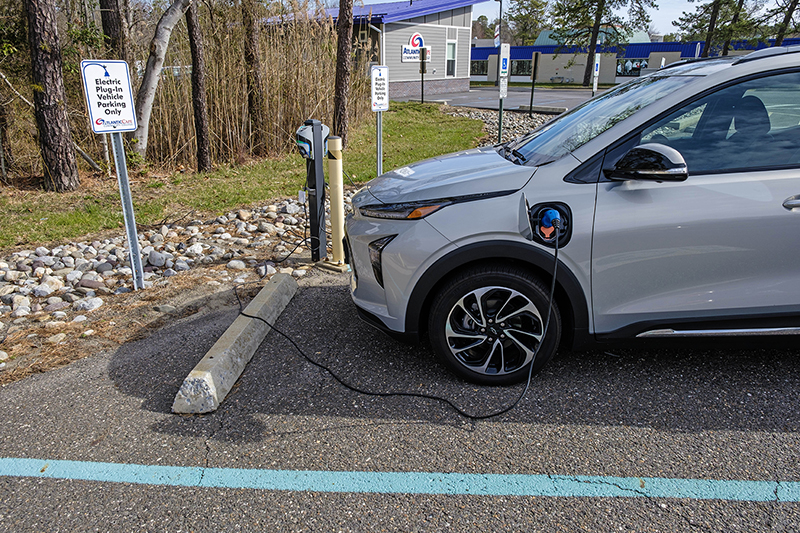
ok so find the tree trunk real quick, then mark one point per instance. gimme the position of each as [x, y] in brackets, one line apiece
[152, 73]
[734, 20]
[711, 27]
[342, 84]
[256, 88]
[787, 19]
[598, 18]
[199, 90]
[115, 27]
[5, 148]
[50, 99]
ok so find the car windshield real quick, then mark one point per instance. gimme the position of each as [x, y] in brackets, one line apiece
[590, 119]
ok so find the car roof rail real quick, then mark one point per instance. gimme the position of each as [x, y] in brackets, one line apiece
[684, 61]
[768, 52]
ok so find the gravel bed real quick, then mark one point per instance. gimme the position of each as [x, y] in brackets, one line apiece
[514, 123]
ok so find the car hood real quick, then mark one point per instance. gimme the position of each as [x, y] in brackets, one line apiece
[477, 171]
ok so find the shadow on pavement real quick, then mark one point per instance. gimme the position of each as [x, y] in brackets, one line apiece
[675, 389]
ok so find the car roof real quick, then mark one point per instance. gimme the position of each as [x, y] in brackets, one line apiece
[710, 65]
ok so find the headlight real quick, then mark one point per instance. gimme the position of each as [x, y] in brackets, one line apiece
[407, 211]
[421, 209]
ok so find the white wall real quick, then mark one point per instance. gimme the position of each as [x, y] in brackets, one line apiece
[435, 38]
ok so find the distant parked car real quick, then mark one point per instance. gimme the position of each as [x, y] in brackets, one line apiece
[679, 194]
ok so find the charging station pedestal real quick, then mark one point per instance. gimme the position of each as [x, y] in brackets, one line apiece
[311, 141]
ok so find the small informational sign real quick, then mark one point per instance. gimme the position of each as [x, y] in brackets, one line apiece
[596, 73]
[504, 87]
[505, 59]
[107, 85]
[380, 88]
[109, 98]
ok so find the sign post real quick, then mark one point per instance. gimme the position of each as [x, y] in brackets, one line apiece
[109, 98]
[534, 73]
[505, 55]
[423, 68]
[380, 103]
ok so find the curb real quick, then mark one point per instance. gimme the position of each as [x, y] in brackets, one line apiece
[545, 110]
[212, 379]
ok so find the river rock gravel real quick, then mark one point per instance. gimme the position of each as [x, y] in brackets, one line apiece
[515, 123]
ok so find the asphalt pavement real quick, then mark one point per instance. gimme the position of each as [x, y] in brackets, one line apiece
[489, 98]
[291, 449]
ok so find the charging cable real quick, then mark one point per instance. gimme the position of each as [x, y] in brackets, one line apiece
[555, 221]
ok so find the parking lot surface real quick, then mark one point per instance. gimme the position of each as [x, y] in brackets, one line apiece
[291, 449]
[488, 98]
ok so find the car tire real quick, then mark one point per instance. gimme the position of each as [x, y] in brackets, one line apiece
[465, 334]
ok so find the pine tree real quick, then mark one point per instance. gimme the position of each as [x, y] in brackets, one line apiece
[50, 98]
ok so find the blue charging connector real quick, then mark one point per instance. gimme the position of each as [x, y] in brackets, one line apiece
[551, 219]
[549, 224]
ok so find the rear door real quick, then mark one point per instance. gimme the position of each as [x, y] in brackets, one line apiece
[724, 243]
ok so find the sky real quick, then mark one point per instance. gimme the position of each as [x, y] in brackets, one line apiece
[668, 11]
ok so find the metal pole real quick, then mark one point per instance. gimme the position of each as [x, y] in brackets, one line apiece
[499, 60]
[379, 114]
[127, 210]
[534, 72]
[500, 123]
[379, 135]
[337, 197]
[500, 42]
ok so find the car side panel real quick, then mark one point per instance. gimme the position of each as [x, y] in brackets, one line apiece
[712, 246]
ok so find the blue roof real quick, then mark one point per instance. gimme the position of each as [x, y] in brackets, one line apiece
[397, 11]
[633, 50]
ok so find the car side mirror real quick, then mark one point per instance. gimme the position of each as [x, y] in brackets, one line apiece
[649, 162]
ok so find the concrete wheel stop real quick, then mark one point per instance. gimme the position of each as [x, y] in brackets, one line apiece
[212, 379]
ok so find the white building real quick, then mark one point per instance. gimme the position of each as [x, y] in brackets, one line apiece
[444, 27]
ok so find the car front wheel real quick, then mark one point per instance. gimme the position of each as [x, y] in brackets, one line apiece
[487, 325]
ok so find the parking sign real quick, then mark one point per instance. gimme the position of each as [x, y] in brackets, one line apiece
[380, 88]
[109, 98]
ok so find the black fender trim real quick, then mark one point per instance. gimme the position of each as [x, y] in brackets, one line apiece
[713, 323]
[569, 294]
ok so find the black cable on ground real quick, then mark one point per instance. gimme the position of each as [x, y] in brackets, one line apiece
[421, 395]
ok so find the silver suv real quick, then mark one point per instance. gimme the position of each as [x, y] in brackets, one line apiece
[679, 196]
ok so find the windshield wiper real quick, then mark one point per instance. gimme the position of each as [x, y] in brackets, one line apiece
[519, 156]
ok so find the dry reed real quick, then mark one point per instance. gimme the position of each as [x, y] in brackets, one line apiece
[298, 54]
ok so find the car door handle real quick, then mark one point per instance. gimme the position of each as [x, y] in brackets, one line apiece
[792, 203]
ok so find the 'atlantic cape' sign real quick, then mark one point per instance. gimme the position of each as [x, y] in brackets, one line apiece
[410, 51]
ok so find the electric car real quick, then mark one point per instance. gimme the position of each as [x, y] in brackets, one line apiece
[677, 206]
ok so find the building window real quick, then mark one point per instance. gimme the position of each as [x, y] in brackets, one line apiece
[630, 67]
[478, 68]
[451, 59]
[521, 67]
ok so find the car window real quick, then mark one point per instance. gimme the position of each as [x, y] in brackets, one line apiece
[749, 125]
[585, 122]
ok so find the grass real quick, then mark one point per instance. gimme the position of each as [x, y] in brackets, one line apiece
[412, 131]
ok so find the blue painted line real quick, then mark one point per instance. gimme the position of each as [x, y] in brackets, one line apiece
[406, 482]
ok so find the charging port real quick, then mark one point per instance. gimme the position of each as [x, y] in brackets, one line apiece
[542, 222]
